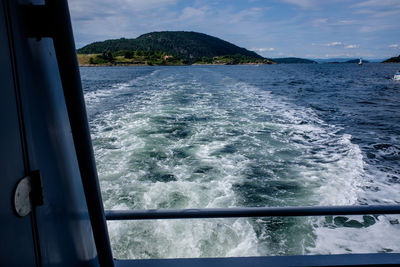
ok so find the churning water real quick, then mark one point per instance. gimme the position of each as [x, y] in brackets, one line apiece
[247, 136]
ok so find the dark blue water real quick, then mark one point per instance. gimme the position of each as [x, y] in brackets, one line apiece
[230, 136]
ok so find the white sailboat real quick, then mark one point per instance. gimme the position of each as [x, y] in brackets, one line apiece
[360, 63]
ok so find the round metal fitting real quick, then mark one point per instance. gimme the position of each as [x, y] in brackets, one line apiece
[22, 199]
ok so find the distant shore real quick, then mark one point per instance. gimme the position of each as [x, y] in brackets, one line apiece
[113, 65]
[146, 65]
[122, 58]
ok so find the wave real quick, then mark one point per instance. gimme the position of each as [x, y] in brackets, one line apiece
[201, 139]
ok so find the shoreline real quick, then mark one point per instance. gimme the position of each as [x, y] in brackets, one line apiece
[146, 65]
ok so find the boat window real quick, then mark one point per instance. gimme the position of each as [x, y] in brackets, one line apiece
[266, 104]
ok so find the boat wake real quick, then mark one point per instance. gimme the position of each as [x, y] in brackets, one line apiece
[200, 139]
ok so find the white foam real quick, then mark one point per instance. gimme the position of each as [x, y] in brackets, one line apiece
[381, 237]
[229, 114]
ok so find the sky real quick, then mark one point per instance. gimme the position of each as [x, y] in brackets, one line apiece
[272, 28]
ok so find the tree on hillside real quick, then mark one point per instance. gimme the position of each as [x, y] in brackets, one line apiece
[128, 54]
[107, 55]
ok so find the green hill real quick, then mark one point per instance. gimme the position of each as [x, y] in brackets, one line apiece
[392, 60]
[188, 47]
[293, 60]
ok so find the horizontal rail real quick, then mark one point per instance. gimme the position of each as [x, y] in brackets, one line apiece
[360, 260]
[156, 214]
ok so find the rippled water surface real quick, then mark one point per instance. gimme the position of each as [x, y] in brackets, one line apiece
[253, 136]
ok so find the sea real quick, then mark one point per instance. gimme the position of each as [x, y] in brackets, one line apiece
[178, 137]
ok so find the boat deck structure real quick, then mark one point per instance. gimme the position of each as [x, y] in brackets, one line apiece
[51, 207]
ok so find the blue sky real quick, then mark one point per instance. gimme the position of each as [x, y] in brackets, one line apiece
[272, 28]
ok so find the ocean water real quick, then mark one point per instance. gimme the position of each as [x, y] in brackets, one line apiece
[247, 136]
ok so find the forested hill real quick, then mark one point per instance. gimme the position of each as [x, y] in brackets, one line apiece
[189, 46]
[393, 60]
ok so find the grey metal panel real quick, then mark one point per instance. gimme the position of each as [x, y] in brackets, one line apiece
[64, 229]
[63, 222]
[16, 245]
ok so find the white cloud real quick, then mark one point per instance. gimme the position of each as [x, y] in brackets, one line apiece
[377, 27]
[377, 3]
[378, 8]
[116, 7]
[302, 3]
[192, 13]
[339, 45]
[247, 14]
[347, 22]
[261, 50]
[394, 46]
[319, 21]
[339, 55]
[334, 44]
[352, 46]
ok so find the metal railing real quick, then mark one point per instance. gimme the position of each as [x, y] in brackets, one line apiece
[371, 259]
[156, 214]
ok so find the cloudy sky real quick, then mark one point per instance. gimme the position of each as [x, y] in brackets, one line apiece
[272, 28]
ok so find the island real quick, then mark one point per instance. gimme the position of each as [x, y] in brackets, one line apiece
[167, 48]
[293, 60]
[392, 60]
